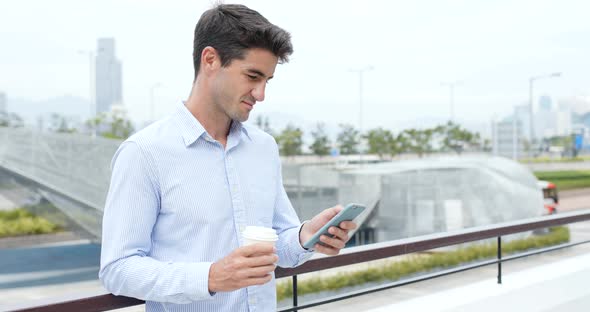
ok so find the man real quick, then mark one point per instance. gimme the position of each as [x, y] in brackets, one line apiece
[183, 189]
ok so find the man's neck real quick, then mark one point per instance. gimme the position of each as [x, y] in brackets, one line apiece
[216, 123]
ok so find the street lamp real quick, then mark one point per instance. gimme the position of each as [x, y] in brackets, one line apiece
[152, 88]
[451, 86]
[532, 122]
[360, 72]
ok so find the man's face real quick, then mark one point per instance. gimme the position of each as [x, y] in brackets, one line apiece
[237, 87]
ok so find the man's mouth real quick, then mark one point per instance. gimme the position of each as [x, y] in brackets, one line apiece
[251, 105]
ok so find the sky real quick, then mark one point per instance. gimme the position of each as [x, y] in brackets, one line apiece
[491, 48]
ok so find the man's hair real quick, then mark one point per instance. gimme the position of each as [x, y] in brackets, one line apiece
[231, 29]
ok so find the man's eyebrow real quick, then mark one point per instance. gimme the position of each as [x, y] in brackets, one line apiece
[259, 73]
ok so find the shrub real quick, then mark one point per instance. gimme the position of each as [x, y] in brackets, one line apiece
[421, 263]
[20, 222]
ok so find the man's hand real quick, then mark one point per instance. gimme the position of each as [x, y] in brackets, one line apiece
[332, 245]
[245, 266]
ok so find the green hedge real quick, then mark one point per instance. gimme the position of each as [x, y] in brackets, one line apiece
[20, 222]
[554, 160]
[421, 263]
[566, 180]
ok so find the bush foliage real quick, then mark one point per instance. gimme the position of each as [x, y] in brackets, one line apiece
[421, 263]
[20, 222]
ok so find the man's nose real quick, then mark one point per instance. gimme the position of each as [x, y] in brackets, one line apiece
[258, 92]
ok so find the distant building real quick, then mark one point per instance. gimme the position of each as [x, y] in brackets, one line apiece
[3, 104]
[109, 82]
[552, 122]
[545, 103]
[508, 139]
[523, 116]
[576, 104]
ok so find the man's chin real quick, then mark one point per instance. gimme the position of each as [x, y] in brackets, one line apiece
[242, 118]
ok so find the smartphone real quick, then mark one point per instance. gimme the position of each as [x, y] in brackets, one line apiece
[349, 212]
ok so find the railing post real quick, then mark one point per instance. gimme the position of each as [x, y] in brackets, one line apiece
[499, 259]
[295, 291]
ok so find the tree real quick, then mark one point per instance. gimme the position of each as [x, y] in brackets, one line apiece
[400, 144]
[348, 139]
[94, 124]
[59, 123]
[120, 128]
[456, 138]
[418, 141]
[11, 120]
[109, 125]
[380, 141]
[263, 123]
[321, 142]
[290, 141]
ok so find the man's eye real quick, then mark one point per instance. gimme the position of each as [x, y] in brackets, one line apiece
[252, 77]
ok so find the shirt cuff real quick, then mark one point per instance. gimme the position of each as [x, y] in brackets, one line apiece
[304, 253]
[299, 236]
[197, 281]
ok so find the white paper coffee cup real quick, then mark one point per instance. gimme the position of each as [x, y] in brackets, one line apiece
[259, 234]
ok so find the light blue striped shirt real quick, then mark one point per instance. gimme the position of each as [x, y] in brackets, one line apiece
[178, 201]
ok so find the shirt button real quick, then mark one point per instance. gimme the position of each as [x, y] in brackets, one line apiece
[242, 228]
[252, 300]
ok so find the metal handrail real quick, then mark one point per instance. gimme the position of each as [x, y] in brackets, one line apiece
[105, 302]
[377, 251]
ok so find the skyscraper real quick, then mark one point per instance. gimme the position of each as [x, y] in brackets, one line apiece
[521, 113]
[109, 82]
[507, 138]
[545, 103]
[2, 102]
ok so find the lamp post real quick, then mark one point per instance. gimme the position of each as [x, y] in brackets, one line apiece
[360, 73]
[152, 104]
[451, 86]
[532, 122]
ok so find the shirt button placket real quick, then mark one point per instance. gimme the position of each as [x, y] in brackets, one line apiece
[239, 218]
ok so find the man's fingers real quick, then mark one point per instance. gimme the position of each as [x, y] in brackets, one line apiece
[258, 271]
[254, 249]
[337, 209]
[257, 261]
[329, 213]
[347, 225]
[332, 242]
[326, 250]
[238, 262]
[334, 211]
[338, 232]
[257, 280]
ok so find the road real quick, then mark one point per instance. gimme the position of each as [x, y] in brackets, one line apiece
[559, 166]
[574, 199]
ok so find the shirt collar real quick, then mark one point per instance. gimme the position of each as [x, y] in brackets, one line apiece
[192, 130]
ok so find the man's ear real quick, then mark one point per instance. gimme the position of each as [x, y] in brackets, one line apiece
[210, 60]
